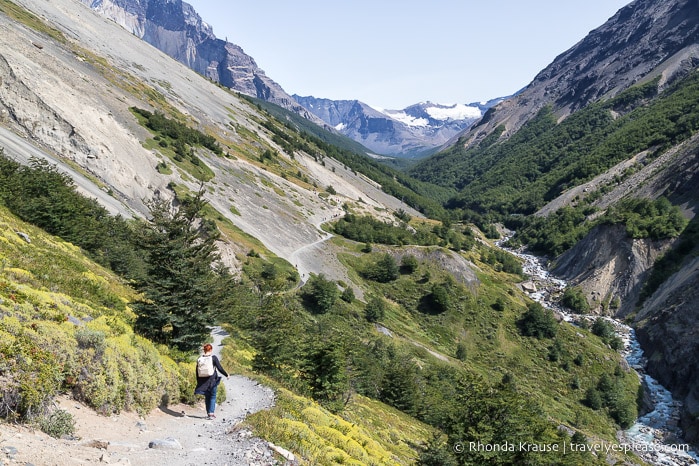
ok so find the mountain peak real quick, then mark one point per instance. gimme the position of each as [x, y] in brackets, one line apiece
[414, 131]
[643, 40]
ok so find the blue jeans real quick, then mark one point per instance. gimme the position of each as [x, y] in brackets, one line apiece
[210, 399]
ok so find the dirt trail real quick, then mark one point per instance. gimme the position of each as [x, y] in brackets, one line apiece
[305, 258]
[184, 435]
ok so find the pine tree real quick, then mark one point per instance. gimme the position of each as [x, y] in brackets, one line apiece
[177, 306]
[375, 309]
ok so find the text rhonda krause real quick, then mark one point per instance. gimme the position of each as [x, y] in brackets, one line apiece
[563, 447]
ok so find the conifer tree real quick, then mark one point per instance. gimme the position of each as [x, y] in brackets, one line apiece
[320, 293]
[180, 252]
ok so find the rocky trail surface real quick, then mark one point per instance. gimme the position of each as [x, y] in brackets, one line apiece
[176, 435]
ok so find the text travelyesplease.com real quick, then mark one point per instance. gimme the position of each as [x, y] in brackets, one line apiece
[466, 447]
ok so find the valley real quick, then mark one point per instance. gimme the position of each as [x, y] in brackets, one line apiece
[655, 436]
[144, 199]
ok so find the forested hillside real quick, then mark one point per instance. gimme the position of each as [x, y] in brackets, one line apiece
[390, 326]
[317, 341]
[544, 159]
[601, 178]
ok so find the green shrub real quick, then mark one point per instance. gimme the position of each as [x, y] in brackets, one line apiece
[375, 309]
[500, 304]
[538, 322]
[593, 398]
[384, 270]
[409, 264]
[460, 353]
[221, 395]
[438, 300]
[58, 424]
[88, 338]
[34, 378]
[555, 351]
[130, 374]
[187, 379]
[605, 330]
[574, 299]
[347, 294]
[368, 229]
[436, 453]
[502, 261]
[645, 218]
[320, 293]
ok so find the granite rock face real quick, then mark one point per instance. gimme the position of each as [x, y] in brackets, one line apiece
[175, 28]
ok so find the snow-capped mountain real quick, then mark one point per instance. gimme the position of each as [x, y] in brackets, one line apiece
[174, 27]
[412, 132]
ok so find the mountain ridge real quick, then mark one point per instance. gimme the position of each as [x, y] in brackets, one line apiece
[412, 132]
[175, 28]
[606, 61]
[645, 53]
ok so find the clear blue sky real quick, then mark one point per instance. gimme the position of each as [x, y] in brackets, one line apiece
[395, 53]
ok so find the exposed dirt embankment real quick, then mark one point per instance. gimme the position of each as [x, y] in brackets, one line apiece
[607, 264]
[609, 267]
[461, 269]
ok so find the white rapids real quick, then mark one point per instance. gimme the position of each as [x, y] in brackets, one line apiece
[655, 436]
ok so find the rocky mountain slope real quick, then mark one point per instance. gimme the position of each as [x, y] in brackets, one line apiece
[643, 40]
[75, 107]
[175, 28]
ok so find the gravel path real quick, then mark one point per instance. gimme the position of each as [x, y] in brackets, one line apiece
[178, 435]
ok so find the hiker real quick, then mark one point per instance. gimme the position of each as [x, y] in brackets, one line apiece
[208, 378]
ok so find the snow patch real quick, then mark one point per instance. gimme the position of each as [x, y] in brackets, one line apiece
[436, 112]
[340, 126]
[407, 119]
[454, 112]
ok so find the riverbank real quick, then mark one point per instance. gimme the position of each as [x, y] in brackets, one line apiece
[656, 436]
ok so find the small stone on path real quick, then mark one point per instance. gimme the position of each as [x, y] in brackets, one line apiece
[168, 443]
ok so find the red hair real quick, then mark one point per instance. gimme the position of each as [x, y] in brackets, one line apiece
[208, 347]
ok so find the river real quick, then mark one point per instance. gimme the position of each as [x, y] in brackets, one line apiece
[655, 436]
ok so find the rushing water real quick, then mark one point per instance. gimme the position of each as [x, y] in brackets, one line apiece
[655, 436]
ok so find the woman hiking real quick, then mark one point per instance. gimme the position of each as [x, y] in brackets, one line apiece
[208, 378]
